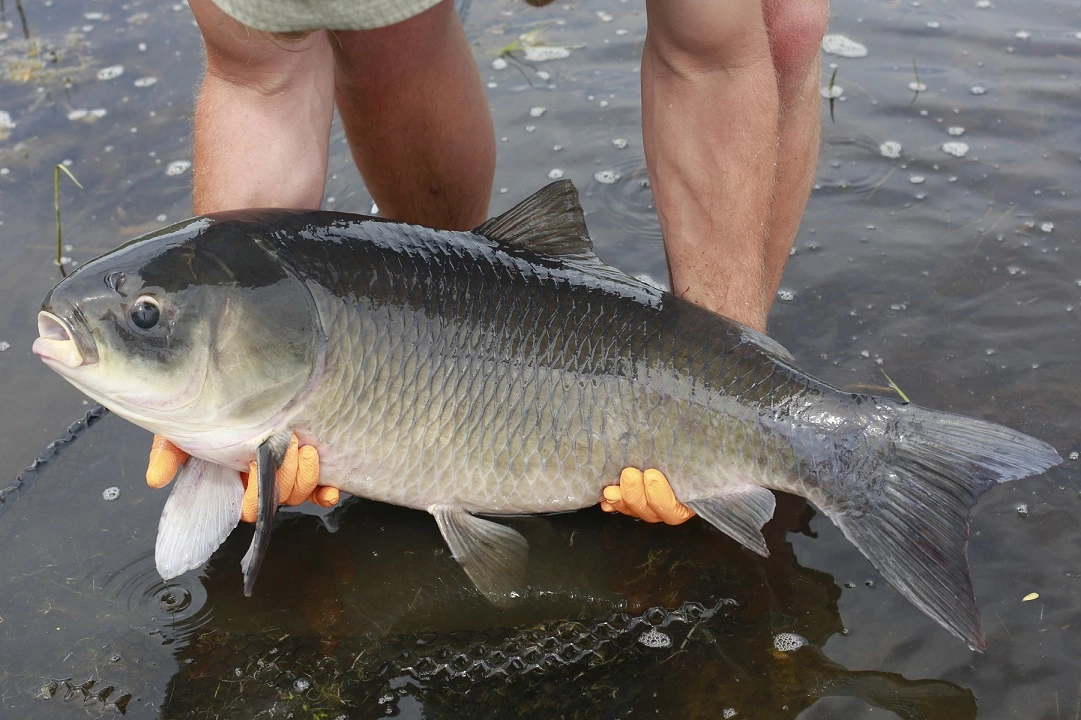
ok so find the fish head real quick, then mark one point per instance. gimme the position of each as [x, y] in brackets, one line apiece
[195, 329]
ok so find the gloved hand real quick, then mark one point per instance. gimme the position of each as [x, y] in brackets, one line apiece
[298, 476]
[646, 495]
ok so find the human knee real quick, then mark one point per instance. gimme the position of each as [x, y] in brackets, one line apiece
[795, 28]
[691, 36]
[269, 63]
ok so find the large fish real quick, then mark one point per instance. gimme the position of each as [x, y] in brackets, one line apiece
[502, 371]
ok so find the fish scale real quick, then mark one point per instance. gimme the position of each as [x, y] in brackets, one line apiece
[459, 425]
[506, 370]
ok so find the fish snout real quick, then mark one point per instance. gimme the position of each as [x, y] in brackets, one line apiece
[56, 342]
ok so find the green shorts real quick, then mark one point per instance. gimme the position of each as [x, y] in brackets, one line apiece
[293, 15]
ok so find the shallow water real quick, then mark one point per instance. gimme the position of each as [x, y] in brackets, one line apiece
[955, 286]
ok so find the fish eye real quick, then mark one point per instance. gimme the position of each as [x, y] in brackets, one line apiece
[145, 313]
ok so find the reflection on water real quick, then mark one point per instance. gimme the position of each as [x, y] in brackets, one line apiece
[962, 287]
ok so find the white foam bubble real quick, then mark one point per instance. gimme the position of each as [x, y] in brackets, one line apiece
[843, 46]
[555, 174]
[831, 92]
[544, 53]
[537, 111]
[978, 90]
[1047, 226]
[145, 82]
[499, 64]
[110, 493]
[4, 346]
[654, 638]
[916, 179]
[890, 149]
[6, 123]
[620, 143]
[957, 149]
[177, 167]
[607, 177]
[110, 73]
[917, 86]
[787, 642]
[955, 130]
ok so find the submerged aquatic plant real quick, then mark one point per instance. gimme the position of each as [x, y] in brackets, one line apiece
[916, 86]
[831, 96]
[56, 206]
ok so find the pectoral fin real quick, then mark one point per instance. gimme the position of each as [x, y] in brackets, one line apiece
[202, 509]
[494, 556]
[268, 459]
[740, 512]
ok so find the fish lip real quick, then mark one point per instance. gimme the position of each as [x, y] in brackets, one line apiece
[59, 343]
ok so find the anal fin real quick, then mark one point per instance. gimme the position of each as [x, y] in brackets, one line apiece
[202, 509]
[740, 512]
[494, 556]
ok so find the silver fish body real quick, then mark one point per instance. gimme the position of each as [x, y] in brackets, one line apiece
[507, 371]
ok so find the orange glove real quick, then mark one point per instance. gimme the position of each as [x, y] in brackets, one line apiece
[647, 496]
[297, 477]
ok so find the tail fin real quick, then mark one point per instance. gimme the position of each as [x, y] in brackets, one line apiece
[914, 524]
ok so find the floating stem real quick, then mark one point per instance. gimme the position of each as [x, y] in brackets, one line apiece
[56, 205]
[896, 389]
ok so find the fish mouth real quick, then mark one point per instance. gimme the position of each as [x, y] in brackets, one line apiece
[58, 343]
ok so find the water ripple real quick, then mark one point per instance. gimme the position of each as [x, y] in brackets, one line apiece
[177, 608]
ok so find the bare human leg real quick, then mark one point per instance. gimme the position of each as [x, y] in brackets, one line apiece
[262, 118]
[730, 123]
[795, 35]
[417, 119]
[709, 125]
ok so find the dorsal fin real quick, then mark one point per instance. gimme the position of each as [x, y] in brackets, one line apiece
[549, 221]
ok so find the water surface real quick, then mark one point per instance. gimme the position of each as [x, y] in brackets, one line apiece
[957, 276]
